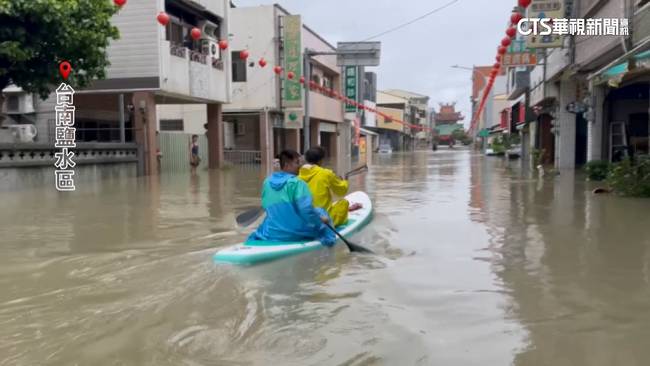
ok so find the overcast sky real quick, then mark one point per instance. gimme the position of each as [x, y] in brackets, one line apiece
[418, 57]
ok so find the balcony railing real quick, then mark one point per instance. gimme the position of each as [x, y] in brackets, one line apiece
[199, 57]
[177, 50]
[217, 63]
[244, 157]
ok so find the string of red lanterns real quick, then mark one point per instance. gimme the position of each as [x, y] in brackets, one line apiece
[195, 33]
[511, 33]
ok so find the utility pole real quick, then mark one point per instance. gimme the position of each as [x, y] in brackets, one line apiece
[306, 125]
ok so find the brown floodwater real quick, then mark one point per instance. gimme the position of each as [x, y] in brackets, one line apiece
[477, 263]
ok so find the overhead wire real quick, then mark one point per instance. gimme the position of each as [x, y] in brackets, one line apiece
[412, 21]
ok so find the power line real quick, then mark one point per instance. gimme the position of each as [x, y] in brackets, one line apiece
[412, 21]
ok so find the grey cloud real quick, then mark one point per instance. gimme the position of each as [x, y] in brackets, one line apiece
[418, 57]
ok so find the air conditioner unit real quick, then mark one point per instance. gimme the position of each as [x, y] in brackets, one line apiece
[23, 133]
[210, 48]
[209, 30]
[19, 103]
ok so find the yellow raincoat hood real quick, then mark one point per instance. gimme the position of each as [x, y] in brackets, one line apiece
[322, 184]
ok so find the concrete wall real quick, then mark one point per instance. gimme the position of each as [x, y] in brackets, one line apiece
[325, 108]
[500, 102]
[394, 114]
[12, 179]
[590, 51]
[135, 54]
[254, 29]
[312, 41]
[385, 98]
[194, 116]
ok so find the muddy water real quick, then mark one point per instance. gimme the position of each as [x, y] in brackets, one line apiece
[477, 264]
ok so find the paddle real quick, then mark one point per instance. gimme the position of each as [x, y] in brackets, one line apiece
[250, 216]
[351, 247]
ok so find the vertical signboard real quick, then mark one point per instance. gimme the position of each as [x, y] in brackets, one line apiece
[292, 61]
[351, 86]
[553, 9]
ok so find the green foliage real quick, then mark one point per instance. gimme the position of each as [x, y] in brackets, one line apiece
[630, 178]
[597, 170]
[499, 149]
[36, 35]
[458, 134]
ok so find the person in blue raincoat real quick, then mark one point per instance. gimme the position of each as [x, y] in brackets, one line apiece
[290, 212]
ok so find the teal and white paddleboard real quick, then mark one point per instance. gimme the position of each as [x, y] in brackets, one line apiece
[262, 251]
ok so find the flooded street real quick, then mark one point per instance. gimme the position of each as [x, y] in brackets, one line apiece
[477, 263]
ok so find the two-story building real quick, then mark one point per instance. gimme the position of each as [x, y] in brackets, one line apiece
[590, 96]
[615, 80]
[267, 109]
[413, 110]
[152, 65]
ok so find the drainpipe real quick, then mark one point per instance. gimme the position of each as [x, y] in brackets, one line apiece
[122, 123]
[306, 123]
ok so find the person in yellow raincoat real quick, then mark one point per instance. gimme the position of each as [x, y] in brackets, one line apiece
[323, 183]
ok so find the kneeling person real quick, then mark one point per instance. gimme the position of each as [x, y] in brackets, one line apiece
[322, 183]
[290, 212]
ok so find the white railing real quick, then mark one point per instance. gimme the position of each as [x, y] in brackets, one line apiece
[242, 156]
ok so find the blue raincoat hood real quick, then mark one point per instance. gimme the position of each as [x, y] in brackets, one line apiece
[279, 179]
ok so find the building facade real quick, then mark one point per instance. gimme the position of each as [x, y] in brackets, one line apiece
[262, 117]
[151, 66]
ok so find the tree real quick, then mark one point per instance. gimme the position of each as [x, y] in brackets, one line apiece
[36, 35]
[459, 134]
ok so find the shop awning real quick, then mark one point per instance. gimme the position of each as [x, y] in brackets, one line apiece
[615, 74]
[367, 132]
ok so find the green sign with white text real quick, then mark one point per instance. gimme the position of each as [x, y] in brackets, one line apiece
[293, 61]
[351, 86]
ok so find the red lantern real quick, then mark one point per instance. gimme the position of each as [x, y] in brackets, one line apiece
[290, 75]
[505, 42]
[119, 3]
[223, 44]
[302, 80]
[502, 50]
[277, 70]
[498, 58]
[511, 32]
[195, 33]
[262, 62]
[524, 3]
[515, 18]
[243, 54]
[163, 18]
[497, 66]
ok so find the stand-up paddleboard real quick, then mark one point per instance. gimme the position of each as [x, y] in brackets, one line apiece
[261, 251]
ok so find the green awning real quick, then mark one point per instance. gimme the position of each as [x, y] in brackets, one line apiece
[618, 71]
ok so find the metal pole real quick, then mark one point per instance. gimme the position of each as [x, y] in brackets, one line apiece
[306, 126]
[122, 124]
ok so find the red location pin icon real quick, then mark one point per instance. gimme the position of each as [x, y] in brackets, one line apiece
[64, 69]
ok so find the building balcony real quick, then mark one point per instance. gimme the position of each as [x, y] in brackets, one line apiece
[518, 84]
[325, 108]
[640, 24]
[191, 73]
[211, 6]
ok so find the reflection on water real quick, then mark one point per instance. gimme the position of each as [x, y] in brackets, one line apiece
[478, 263]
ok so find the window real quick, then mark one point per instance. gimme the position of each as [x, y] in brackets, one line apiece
[13, 103]
[175, 33]
[240, 129]
[171, 125]
[238, 68]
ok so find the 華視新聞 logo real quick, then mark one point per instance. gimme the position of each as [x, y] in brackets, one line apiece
[573, 27]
